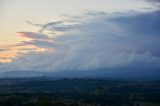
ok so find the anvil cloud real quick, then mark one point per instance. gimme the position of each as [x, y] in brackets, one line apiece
[120, 40]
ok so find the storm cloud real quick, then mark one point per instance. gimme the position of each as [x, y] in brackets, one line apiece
[108, 41]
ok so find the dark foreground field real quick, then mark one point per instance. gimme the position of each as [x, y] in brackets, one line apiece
[78, 92]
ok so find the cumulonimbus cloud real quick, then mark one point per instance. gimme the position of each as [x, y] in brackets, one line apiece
[103, 42]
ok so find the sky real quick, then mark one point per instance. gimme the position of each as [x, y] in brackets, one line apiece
[56, 35]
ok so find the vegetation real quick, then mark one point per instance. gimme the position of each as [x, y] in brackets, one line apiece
[78, 92]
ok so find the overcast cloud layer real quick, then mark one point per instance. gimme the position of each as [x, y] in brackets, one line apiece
[101, 40]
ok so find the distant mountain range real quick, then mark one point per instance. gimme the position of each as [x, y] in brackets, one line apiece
[124, 74]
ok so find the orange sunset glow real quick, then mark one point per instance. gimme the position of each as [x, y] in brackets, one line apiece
[79, 52]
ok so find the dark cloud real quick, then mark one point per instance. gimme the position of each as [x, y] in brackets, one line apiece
[58, 26]
[33, 35]
[55, 26]
[147, 24]
[38, 39]
[142, 29]
[38, 43]
[109, 41]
